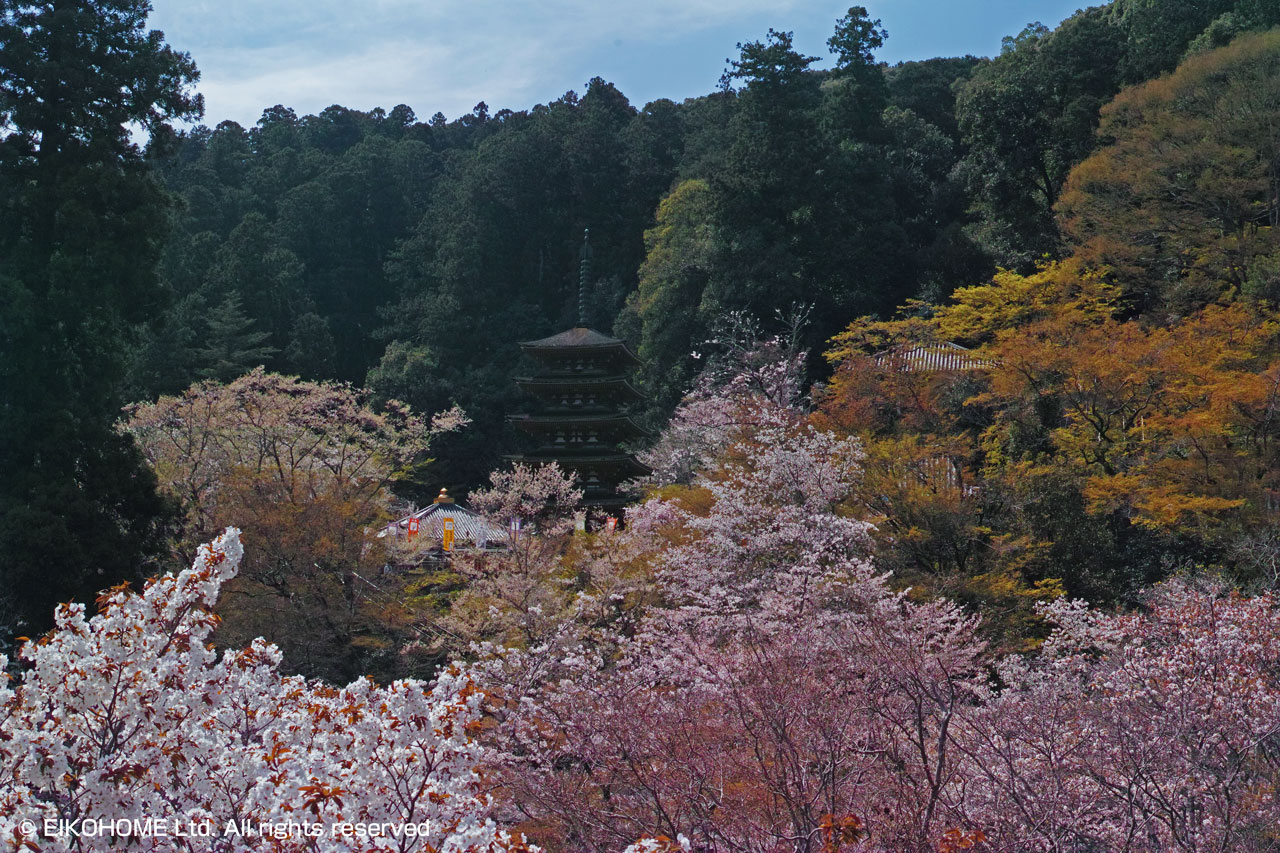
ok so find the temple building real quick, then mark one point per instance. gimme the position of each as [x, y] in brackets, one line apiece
[429, 525]
[581, 391]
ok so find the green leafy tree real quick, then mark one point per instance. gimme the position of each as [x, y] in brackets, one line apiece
[764, 196]
[252, 263]
[1027, 118]
[1246, 16]
[664, 315]
[856, 39]
[163, 359]
[311, 351]
[857, 93]
[927, 88]
[1158, 32]
[806, 210]
[81, 224]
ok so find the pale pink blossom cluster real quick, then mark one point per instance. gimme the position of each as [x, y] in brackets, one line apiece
[729, 672]
[780, 691]
[513, 595]
[280, 436]
[1152, 730]
[131, 716]
[778, 695]
[660, 844]
[749, 385]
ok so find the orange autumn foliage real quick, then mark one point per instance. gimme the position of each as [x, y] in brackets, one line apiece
[1167, 428]
[841, 831]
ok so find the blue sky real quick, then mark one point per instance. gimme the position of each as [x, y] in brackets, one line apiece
[447, 55]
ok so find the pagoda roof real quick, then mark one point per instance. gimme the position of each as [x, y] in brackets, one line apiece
[577, 420]
[621, 383]
[580, 338]
[569, 461]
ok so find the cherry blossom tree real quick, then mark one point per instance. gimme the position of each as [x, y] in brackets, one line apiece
[1152, 730]
[751, 376]
[304, 468]
[773, 692]
[516, 595]
[132, 716]
[776, 694]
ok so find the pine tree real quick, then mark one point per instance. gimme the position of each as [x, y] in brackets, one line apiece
[232, 344]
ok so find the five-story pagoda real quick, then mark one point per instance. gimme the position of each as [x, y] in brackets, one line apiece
[582, 392]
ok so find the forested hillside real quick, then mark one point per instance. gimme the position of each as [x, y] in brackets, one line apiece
[376, 247]
[1114, 417]
[409, 256]
[962, 526]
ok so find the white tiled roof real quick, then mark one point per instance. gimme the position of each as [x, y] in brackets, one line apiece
[939, 358]
[467, 525]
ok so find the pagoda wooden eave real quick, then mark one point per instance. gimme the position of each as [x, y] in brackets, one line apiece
[539, 383]
[624, 461]
[579, 341]
[578, 421]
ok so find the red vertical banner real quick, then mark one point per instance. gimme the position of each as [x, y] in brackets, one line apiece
[611, 523]
[413, 526]
[447, 537]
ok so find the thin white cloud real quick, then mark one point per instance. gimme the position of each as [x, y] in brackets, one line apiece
[423, 75]
[445, 55]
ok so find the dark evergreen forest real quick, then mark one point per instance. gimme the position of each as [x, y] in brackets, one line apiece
[411, 255]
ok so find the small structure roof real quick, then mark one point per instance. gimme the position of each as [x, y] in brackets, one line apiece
[936, 358]
[468, 526]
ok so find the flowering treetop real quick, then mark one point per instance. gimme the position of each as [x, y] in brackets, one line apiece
[132, 715]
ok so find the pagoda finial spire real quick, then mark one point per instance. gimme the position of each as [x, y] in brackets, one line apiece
[584, 276]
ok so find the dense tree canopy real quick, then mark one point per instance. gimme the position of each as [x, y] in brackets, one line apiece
[733, 671]
[378, 248]
[1128, 388]
[1029, 115]
[1181, 203]
[82, 224]
[411, 255]
[305, 468]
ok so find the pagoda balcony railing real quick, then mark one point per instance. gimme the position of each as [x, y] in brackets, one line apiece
[573, 455]
[577, 370]
[583, 407]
